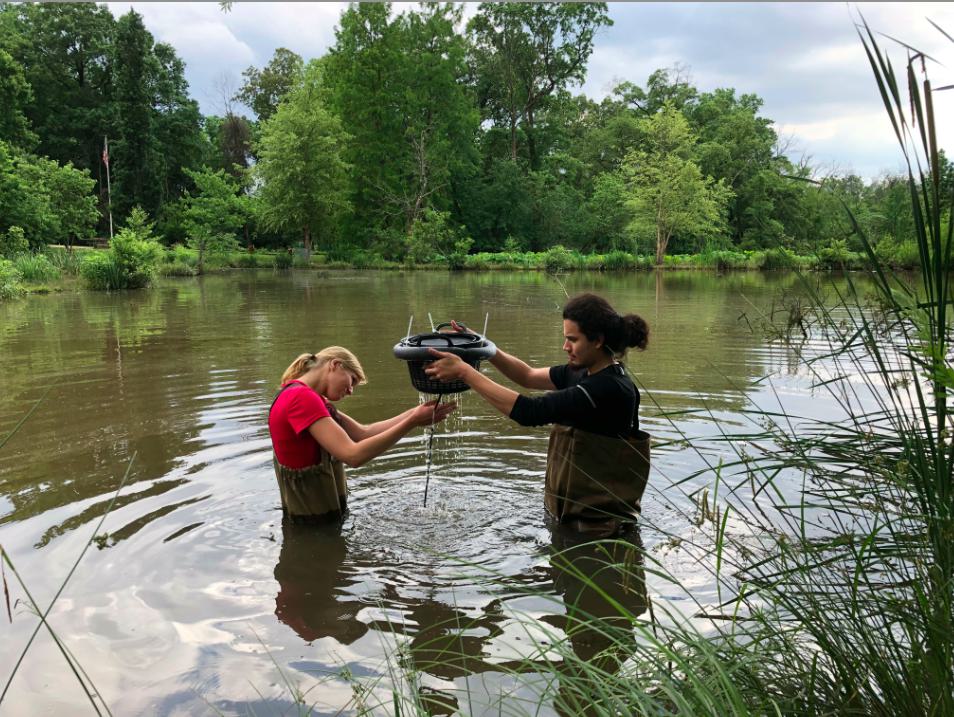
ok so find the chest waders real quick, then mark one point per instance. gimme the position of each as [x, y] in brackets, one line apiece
[316, 494]
[594, 483]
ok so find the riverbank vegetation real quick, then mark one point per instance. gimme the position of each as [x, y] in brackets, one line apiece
[491, 161]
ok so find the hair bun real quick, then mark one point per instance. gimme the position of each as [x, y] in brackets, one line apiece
[635, 331]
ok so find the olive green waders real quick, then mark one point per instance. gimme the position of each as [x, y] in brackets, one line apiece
[318, 493]
[594, 483]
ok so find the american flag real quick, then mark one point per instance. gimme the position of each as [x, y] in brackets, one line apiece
[105, 153]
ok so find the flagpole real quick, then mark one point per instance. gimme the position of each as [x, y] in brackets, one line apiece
[109, 189]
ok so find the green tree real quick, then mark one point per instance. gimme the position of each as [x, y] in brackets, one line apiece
[670, 196]
[64, 51]
[212, 213]
[523, 53]
[15, 97]
[134, 155]
[52, 203]
[398, 86]
[264, 89]
[304, 178]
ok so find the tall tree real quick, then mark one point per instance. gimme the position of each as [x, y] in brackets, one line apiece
[524, 52]
[304, 179]
[64, 49]
[135, 156]
[399, 87]
[670, 195]
[264, 89]
[15, 96]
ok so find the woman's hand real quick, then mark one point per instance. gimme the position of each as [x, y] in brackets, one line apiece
[427, 414]
[447, 367]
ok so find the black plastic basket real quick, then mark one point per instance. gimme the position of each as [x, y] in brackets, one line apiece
[415, 350]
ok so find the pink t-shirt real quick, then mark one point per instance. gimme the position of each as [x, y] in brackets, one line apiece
[295, 409]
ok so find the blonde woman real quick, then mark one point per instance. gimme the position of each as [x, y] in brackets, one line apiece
[311, 439]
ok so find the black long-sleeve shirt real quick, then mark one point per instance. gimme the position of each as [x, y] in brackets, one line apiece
[605, 402]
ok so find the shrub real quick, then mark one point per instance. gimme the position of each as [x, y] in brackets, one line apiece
[619, 261]
[432, 237]
[36, 268]
[137, 257]
[778, 258]
[67, 262]
[246, 260]
[13, 243]
[131, 262]
[101, 271]
[283, 260]
[10, 286]
[559, 258]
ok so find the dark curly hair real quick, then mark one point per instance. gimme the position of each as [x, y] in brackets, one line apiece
[596, 319]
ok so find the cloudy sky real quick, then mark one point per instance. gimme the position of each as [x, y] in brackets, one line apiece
[804, 59]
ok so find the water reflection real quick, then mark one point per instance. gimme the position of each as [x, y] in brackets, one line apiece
[313, 576]
[603, 588]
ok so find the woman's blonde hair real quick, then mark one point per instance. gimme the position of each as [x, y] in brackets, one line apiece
[304, 363]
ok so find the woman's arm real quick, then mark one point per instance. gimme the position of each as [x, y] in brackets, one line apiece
[358, 431]
[335, 439]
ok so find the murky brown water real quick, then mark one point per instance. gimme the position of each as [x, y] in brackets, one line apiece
[193, 594]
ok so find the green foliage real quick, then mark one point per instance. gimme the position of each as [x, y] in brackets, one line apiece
[618, 261]
[284, 260]
[178, 261]
[433, 237]
[36, 268]
[101, 271]
[669, 193]
[304, 177]
[263, 90]
[212, 213]
[13, 243]
[131, 262]
[50, 202]
[523, 53]
[246, 260]
[399, 85]
[558, 258]
[778, 258]
[10, 286]
[66, 259]
[15, 95]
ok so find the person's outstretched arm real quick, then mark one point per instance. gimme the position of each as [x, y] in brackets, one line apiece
[334, 439]
[359, 431]
[450, 367]
[517, 370]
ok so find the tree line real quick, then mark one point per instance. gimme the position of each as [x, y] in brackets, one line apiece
[415, 136]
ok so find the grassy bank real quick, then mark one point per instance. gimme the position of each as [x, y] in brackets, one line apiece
[58, 269]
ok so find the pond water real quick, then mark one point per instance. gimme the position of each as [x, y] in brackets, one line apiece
[193, 598]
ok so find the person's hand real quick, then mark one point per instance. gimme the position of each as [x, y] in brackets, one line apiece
[459, 328]
[427, 414]
[447, 367]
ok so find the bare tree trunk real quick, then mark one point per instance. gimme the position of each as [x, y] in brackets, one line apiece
[306, 241]
[662, 241]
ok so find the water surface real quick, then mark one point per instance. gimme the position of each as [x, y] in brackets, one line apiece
[194, 595]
